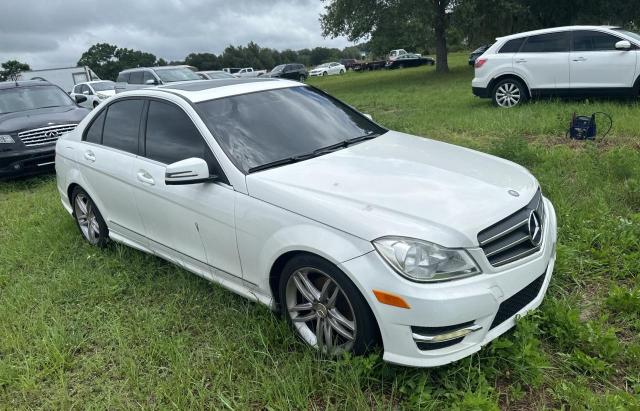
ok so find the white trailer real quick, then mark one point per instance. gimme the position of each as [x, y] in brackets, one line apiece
[65, 77]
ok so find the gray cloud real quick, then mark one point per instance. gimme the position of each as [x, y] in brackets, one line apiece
[54, 33]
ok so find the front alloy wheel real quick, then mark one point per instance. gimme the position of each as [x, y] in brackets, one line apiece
[325, 308]
[509, 93]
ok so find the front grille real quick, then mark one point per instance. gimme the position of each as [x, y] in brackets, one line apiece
[509, 307]
[515, 237]
[44, 135]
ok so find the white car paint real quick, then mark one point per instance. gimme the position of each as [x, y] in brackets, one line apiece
[608, 71]
[94, 97]
[328, 69]
[333, 206]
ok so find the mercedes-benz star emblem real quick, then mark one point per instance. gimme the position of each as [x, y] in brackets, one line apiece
[52, 134]
[514, 193]
[535, 232]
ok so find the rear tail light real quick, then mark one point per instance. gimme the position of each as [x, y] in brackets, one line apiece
[480, 62]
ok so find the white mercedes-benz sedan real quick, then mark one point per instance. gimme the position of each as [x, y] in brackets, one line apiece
[361, 236]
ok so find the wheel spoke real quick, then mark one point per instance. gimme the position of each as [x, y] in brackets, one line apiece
[328, 335]
[332, 299]
[319, 334]
[306, 288]
[81, 205]
[340, 329]
[304, 318]
[342, 320]
[300, 307]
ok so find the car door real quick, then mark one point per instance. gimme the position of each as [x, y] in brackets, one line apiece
[107, 158]
[543, 61]
[596, 64]
[190, 224]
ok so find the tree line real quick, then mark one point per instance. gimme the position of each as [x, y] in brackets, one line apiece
[107, 60]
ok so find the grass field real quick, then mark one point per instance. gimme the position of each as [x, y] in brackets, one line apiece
[115, 328]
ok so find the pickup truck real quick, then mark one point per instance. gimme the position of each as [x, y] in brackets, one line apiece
[244, 72]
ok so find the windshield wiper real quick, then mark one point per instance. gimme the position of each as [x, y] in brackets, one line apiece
[281, 162]
[314, 153]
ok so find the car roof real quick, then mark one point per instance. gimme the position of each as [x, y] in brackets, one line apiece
[203, 90]
[554, 30]
[156, 68]
[23, 83]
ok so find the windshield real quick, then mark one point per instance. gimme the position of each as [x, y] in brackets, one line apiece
[323, 65]
[176, 74]
[635, 36]
[103, 86]
[278, 68]
[31, 98]
[259, 128]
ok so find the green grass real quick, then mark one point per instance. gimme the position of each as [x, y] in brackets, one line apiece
[115, 328]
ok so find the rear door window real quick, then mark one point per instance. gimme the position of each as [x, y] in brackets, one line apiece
[123, 77]
[547, 43]
[122, 124]
[586, 40]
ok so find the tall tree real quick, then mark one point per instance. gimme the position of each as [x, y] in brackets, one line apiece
[11, 70]
[392, 20]
[108, 60]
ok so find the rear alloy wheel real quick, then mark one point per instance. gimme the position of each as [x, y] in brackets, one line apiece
[341, 72]
[89, 219]
[509, 93]
[324, 73]
[302, 79]
[324, 307]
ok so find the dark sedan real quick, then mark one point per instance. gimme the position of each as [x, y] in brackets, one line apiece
[410, 60]
[33, 114]
[477, 53]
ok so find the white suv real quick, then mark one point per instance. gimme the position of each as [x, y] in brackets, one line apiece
[289, 197]
[576, 60]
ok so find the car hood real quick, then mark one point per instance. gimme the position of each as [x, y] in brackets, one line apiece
[400, 185]
[42, 117]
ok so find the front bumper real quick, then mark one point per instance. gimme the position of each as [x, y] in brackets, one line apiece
[26, 161]
[489, 303]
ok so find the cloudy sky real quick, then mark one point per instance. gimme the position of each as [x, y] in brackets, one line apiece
[54, 33]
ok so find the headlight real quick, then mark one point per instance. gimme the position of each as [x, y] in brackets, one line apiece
[102, 96]
[422, 261]
[6, 139]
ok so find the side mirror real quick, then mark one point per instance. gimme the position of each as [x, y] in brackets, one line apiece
[151, 82]
[623, 45]
[189, 171]
[80, 98]
[368, 116]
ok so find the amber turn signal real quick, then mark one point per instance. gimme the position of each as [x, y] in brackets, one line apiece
[391, 299]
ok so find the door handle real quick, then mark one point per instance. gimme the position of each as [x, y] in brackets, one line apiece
[89, 156]
[521, 60]
[146, 178]
[580, 59]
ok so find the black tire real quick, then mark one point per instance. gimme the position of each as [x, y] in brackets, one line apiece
[93, 228]
[341, 72]
[365, 329]
[95, 104]
[302, 78]
[509, 92]
[324, 73]
[401, 66]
